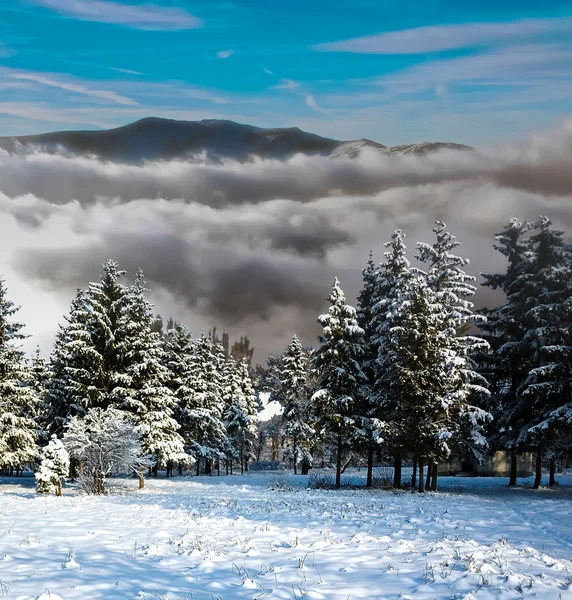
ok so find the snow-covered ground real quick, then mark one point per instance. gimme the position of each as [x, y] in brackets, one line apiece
[235, 538]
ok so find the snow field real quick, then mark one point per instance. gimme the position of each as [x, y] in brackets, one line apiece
[235, 538]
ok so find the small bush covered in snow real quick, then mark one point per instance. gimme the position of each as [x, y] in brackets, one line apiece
[54, 466]
[104, 442]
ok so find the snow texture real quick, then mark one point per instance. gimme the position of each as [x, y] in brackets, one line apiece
[235, 538]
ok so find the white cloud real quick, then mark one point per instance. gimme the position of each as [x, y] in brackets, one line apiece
[287, 84]
[225, 54]
[255, 246]
[436, 38]
[144, 16]
[311, 103]
[73, 87]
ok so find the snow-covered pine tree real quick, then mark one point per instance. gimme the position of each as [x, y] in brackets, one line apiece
[422, 371]
[74, 363]
[298, 430]
[141, 388]
[391, 279]
[38, 378]
[546, 393]
[447, 278]
[337, 365]
[18, 402]
[241, 408]
[505, 330]
[369, 408]
[107, 302]
[54, 467]
[205, 431]
[180, 361]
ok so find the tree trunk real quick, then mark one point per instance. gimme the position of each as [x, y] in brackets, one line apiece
[414, 476]
[198, 466]
[208, 467]
[218, 467]
[180, 468]
[347, 463]
[538, 477]
[59, 488]
[552, 480]
[397, 471]
[369, 478]
[141, 480]
[434, 478]
[339, 462]
[231, 466]
[421, 481]
[242, 458]
[513, 469]
[156, 470]
[429, 474]
[295, 452]
[305, 467]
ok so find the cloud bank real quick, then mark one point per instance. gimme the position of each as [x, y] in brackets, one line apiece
[254, 247]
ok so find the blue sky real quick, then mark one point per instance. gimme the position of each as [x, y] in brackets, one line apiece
[395, 72]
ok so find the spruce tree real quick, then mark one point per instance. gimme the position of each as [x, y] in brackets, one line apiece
[141, 388]
[18, 401]
[241, 409]
[107, 303]
[337, 365]
[512, 354]
[72, 388]
[206, 433]
[370, 410]
[391, 277]
[298, 431]
[545, 394]
[453, 289]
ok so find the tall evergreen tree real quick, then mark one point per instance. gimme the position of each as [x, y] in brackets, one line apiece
[206, 433]
[18, 401]
[72, 388]
[141, 388]
[391, 278]
[337, 363]
[107, 304]
[370, 410]
[241, 408]
[545, 394]
[296, 418]
[453, 288]
[511, 360]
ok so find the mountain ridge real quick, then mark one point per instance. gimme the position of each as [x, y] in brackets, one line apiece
[156, 138]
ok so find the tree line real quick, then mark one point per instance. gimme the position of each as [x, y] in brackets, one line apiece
[189, 400]
[412, 371]
[415, 371]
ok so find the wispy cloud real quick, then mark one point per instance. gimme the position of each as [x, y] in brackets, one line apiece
[287, 84]
[311, 103]
[73, 87]
[436, 38]
[515, 63]
[294, 86]
[143, 16]
[225, 54]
